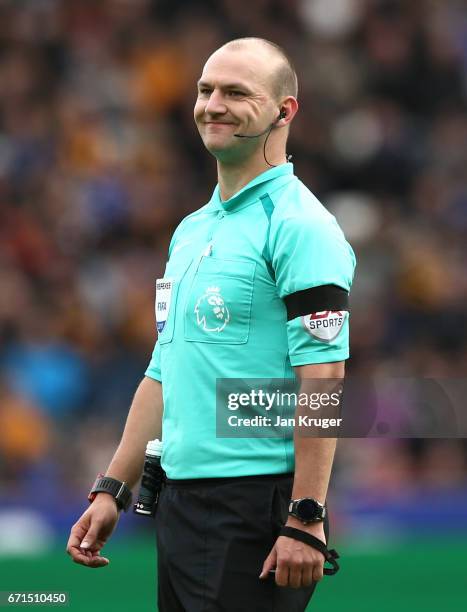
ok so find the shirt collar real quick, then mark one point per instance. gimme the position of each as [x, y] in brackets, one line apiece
[252, 190]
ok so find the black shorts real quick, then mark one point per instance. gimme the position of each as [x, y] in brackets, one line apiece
[213, 536]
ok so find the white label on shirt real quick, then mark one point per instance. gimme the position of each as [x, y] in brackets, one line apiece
[325, 325]
[164, 288]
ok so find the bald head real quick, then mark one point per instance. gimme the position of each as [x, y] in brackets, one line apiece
[283, 78]
[247, 87]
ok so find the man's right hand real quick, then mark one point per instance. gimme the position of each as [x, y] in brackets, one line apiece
[89, 534]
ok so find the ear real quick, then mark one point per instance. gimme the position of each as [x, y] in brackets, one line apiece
[287, 110]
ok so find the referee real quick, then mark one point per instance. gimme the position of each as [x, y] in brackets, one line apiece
[256, 286]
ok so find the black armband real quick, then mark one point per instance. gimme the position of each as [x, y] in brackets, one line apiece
[316, 299]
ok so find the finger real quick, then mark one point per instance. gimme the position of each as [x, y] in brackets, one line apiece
[76, 535]
[307, 575]
[94, 548]
[95, 560]
[318, 572]
[86, 557]
[91, 536]
[295, 575]
[77, 555]
[282, 574]
[94, 563]
[89, 559]
[269, 563]
[93, 554]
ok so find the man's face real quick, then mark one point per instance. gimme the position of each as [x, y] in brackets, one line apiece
[234, 97]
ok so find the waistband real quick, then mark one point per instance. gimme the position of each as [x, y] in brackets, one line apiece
[208, 482]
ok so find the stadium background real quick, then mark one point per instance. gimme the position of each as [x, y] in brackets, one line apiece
[99, 160]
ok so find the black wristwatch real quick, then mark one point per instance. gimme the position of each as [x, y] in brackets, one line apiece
[307, 510]
[116, 488]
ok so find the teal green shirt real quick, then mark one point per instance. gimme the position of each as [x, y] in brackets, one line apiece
[221, 314]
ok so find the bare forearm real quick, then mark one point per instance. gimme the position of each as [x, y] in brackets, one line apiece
[144, 422]
[313, 465]
[314, 456]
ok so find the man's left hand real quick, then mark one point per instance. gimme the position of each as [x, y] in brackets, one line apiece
[296, 564]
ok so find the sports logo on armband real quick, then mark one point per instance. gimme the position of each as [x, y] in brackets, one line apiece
[325, 325]
[211, 310]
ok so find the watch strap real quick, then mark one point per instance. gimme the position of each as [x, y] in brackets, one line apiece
[119, 491]
[307, 538]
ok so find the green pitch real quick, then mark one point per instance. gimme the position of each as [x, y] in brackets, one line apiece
[421, 576]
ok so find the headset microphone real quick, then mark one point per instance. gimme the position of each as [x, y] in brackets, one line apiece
[267, 131]
[282, 115]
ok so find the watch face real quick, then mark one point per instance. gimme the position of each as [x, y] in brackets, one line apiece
[308, 509]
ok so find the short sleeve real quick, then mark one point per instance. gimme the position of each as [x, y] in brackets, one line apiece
[154, 368]
[310, 250]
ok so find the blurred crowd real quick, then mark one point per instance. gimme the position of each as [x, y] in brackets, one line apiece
[100, 159]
